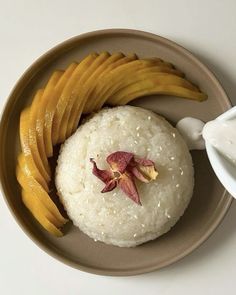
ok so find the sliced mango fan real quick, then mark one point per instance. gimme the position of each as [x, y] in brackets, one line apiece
[82, 88]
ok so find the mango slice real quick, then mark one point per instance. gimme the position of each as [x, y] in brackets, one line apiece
[89, 86]
[30, 184]
[43, 145]
[114, 79]
[40, 213]
[41, 160]
[135, 83]
[50, 107]
[70, 119]
[68, 96]
[92, 81]
[91, 103]
[24, 139]
[162, 69]
[163, 89]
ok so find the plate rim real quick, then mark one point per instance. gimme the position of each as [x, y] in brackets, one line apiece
[8, 105]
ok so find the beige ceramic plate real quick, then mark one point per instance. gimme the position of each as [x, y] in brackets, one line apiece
[210, 202]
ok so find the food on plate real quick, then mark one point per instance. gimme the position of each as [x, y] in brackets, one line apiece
[44, 146]
[26, 149]
[37, 200]
[38, 155]
[52, 110]
[115, 216]
[84, 88]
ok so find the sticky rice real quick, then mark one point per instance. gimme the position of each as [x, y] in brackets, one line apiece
[112, 217]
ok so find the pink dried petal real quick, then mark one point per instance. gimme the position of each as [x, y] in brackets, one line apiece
[148, 172]
[109, 186]
[144, 162]
[139, 175]
[103, 175]
[124, 167]
[127, 184]
[119, 161]
[144, 169]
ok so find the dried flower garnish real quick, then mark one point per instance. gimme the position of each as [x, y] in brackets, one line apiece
[124, 168]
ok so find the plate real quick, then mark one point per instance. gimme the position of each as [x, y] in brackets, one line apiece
[210, 201]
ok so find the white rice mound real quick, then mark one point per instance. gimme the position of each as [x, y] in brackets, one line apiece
[112, 217]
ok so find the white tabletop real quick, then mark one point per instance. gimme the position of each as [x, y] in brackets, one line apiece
[29, 28]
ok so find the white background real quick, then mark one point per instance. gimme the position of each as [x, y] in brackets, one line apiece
[28, 29]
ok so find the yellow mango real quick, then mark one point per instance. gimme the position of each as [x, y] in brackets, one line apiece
[51, 105]
[40, 213]
[40, 159]
[43, 145]
[113, 80]
[160, 61]
[152, 79]
[24, 139]
[68, 96]
[31, 185]
[162, 69]
[71, 117]
[93, 100]
[91, 82]
[89, 87]
[162, 89]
